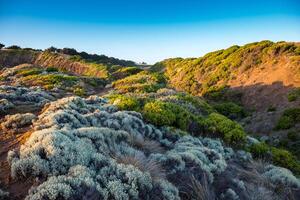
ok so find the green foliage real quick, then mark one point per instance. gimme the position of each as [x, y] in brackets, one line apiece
[142, 82]
[29, 71]
[159, 113]
[168, 114]
[230, 131]
[259, 150]
[79, 91]
[198, 102]
[214, 70]
[49, 81]
[285, 159]
[124, 72]
[230, 110]
[292, 135]
[125, 102]
[289, 118]
[294, 94]
[51, 69]
[280, 157]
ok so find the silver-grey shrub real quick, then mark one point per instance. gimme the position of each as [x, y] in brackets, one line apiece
[84, 149]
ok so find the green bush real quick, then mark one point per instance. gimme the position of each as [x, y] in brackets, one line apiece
[142, 82]
[230, 131]
[259, 150]
[289, 118]
[230, 110]
[125, 102]
[51, 69]
[292, 135]
[159, 113]
[29, 71]
[79, 91]
[284, 123]
[49, 81]
[285, 159]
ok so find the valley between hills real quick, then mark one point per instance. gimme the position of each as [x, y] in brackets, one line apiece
[225, 125]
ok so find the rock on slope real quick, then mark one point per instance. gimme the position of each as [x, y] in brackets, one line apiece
[87, 149]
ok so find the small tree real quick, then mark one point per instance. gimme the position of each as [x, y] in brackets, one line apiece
[1, 45]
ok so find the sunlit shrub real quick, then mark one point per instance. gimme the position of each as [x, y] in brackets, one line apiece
[125, 102]
[159, 113]
[229, 130]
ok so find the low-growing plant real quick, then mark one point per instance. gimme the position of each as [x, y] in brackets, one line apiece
[50, 80]
[29, 71]
[79, 91]
[230, 131]
[51, 69]
[285, 159]
[125, 102]
[230, 110]
[159, 113]
[142, 82]
[289, 118]
[260, 150]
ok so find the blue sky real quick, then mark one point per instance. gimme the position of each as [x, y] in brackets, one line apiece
[147, 30]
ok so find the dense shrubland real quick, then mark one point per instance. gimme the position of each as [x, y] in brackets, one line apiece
[145, 141]
[193, 114]
[13, 97]
[69, 60]
[50, 79]
[213, 71]
[168, 108]
[86, 148]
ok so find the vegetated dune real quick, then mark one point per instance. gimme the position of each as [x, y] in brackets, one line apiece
[60, 83]
[143, 140]
[261, 63]
[99, 66]
[85, 148]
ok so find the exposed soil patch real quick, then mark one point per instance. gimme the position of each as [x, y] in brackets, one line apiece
[8, 141]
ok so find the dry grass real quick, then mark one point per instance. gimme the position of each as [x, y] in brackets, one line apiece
[200, 190]
[143, 164]
[146, 145]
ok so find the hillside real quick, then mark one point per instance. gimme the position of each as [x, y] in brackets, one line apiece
[261, 63]
[67, 59]
[82, 126]
[258, 75]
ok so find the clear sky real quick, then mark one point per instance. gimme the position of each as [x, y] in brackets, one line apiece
[147, 30]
